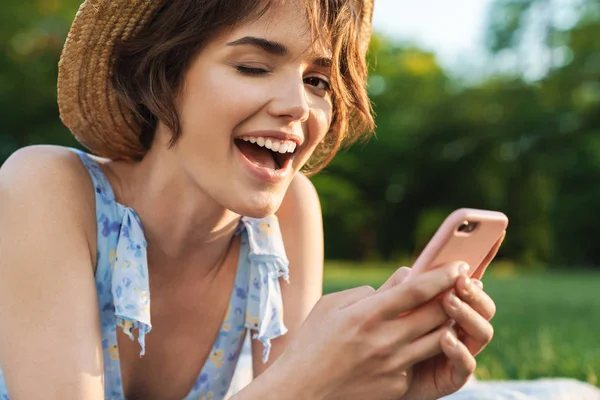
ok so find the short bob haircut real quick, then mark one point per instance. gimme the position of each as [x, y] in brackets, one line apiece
[150, 67]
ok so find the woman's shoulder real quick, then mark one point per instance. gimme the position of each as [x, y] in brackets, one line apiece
[300, 206]
[48, 183]
[44, 171]
[301, 225]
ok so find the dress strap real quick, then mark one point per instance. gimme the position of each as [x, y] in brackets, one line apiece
[102, 187]
[122, 262]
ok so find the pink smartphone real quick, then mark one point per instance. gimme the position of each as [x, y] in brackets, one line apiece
[469, 235]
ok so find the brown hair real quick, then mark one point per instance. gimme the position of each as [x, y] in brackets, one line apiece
[149, 68]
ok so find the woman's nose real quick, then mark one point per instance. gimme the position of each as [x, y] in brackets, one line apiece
[290, 101]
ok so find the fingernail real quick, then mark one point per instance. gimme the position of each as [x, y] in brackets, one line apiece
[468, 288]
[478, 283]
[453, 300]
[463, 268]
[450, 339]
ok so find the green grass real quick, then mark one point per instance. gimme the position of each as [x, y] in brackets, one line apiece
[547, 324]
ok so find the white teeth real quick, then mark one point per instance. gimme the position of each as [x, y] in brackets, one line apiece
[274, 145]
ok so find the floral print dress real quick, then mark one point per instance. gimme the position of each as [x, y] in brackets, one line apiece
[124, 298]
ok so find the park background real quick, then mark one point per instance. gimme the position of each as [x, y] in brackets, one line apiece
[479, 103]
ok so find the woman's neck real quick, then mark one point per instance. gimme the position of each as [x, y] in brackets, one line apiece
[182, 224]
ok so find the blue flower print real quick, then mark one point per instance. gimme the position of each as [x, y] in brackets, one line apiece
[232, 356]
[109, 227]
[136, 248]
[125, 231]
[202, 380]
[239, 292]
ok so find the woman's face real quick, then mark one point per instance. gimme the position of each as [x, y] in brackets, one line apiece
[255, 103]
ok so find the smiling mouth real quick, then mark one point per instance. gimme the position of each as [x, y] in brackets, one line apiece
[267, 153]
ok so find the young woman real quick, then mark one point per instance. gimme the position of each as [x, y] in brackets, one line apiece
[182, 230]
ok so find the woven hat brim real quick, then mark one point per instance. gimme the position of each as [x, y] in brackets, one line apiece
[87, 102]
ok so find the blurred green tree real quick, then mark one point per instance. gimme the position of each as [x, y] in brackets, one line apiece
[31, 37]
[522, 142]
[521, 145]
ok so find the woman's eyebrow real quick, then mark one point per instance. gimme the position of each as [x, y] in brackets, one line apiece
[323, 62]
[274, 48]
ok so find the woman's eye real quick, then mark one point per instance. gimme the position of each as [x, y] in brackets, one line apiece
[319, 83]
[251, 70]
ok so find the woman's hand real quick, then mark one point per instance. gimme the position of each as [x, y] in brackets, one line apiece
[471, 309]
[361, 344]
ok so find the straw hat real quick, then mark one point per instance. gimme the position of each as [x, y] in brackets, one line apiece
[87, 102]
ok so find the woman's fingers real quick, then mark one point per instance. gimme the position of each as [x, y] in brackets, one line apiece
[396, 278]
[348, 297]
[471, 292]
[478, 330]
[419, 321]
[460, 358]
[420, 289]
[422, 349]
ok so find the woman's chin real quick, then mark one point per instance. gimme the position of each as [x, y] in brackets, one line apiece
[258, 206]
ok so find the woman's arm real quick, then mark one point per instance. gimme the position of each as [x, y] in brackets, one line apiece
[50, 343]
[301, 226]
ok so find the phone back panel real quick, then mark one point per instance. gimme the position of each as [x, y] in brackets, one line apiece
[477, 247]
